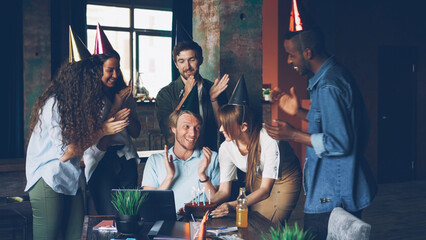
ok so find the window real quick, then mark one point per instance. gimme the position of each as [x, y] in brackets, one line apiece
[142, 37]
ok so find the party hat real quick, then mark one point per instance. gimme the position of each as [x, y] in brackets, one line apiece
[239, 95]
[78, 50]
[102, 45]
[297, 18]
[181, 34]
[191, 103]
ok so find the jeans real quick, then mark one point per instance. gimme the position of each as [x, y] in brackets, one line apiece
[54, 212]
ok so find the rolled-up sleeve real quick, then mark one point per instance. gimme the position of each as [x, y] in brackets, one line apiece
[91, 158]
[337, 134]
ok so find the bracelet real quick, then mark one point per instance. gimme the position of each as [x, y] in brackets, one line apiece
[203, 181]
[213, 100]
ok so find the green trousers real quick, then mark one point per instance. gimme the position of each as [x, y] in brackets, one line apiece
[55, 213]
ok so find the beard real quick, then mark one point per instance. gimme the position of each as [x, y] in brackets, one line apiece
[305, 69]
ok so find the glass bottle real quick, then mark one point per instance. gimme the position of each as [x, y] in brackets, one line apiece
[141, 91]
[242, 209]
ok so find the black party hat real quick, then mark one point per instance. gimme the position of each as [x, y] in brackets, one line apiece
[191, 103]
[239, 95]
[181, 34]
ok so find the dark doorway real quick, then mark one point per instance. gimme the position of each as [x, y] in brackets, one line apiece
[396, 111]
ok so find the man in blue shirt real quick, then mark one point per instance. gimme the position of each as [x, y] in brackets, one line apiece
[185, 170]
[336, 174]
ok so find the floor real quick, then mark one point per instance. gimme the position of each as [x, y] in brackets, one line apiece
[397, 213]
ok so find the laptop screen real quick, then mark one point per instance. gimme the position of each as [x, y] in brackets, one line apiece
[159, 204]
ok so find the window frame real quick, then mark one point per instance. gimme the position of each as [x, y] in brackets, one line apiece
[136, 32]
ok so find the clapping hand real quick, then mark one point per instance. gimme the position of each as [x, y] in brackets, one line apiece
[288, 102]
[111, 126]
[168, 163]
[207, 155]
[218, 87]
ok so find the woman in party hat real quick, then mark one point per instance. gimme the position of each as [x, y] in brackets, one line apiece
[112, 162]
[65, 121]
[273, 175]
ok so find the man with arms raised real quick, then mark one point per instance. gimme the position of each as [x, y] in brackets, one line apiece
[182, 167]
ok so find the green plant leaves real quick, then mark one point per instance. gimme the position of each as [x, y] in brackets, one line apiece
[128, 202]
[288, 233]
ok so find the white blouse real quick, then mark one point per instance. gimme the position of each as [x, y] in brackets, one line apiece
[230, 159]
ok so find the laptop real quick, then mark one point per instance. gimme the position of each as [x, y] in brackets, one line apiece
[159, 205]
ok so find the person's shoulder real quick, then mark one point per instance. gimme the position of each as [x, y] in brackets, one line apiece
[166, 88]
[264, 138]
[171, 88]
[336, 74]
[154, 158]
[50, 101]
[227, 147]
[207, 82]
[50, 105]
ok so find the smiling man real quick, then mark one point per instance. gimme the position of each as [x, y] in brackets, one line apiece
[336, 173]
[183, 166]
[192, 92]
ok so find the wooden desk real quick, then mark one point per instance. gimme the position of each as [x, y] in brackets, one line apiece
[256, 225]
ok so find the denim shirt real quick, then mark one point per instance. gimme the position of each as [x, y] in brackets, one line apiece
[336, 174]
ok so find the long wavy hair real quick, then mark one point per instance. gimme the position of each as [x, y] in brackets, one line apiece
[232, 117]
[119, 83]
[77, 89]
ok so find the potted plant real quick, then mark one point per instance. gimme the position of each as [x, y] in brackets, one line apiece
[288, 233]
[266, 95]
[128, 203]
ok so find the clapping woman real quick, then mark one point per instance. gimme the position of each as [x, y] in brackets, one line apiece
[273, 175]
[65, 121]
[112, 162]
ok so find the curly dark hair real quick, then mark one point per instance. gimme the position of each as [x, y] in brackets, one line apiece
[77, 89]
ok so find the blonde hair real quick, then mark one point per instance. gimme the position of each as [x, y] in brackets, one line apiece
[232, 117]
[174, 116]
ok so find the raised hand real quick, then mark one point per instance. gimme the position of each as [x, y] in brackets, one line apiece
[207, 155]
[289, 102]
[218, 87]
[276, 94]
[168, 163]
[112, 127]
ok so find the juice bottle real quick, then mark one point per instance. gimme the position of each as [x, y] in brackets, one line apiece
[242, 210]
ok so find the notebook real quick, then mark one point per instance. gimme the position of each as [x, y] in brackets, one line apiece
[159, 205]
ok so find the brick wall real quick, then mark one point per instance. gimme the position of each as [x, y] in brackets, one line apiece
[150, 128]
